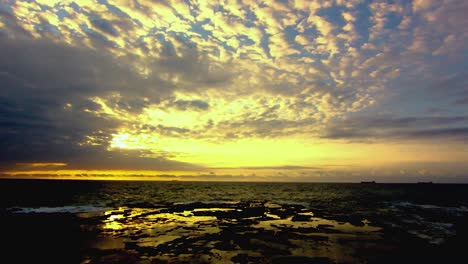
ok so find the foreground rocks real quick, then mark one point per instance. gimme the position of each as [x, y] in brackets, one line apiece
[244, 232]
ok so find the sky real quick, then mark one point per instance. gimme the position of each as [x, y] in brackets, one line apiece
[326, 90]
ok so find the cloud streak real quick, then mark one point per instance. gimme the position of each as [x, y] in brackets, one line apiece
[406, 128]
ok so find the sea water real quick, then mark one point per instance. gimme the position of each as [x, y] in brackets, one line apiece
[232, 222]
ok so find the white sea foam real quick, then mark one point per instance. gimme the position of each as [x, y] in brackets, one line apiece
[428, 227]
[431, 207]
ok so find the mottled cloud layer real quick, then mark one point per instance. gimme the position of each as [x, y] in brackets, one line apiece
[164, 85]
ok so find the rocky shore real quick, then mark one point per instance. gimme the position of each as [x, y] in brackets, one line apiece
[242, 232]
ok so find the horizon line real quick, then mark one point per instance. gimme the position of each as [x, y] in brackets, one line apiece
[225, 181]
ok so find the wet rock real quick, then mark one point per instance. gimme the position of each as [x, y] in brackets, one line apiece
[301, 218]
[240, 258]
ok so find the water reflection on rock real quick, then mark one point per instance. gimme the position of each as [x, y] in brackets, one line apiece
[224, 233]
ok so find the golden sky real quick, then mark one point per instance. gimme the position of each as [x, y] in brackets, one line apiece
[324, 90]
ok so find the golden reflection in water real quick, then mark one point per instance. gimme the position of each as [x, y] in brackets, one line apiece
[113, 225]
[151, 227]
[155, 220]
[315, 222]
[113, 221]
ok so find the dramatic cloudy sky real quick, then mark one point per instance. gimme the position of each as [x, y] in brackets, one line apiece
[326, 90]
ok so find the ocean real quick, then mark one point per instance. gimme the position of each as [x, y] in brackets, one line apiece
[232, 222]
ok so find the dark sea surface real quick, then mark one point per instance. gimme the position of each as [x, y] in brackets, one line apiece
[229, 222]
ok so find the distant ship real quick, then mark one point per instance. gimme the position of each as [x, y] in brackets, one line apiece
[429, 182]
[368, 182]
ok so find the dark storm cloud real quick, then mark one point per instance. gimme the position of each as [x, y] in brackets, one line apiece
[47, 112]
[99, 40]
[129, 160]
[461, 132]
[388, 127]
[129, 103]
[45, 109]
[195, 70]
[451, 84]
[11, 25]
[162, 130]
[462, 101]
[104, 26]
[197, 105]
[265, 127]
[55, 72]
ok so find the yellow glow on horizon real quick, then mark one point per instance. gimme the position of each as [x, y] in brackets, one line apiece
[43, 164]
[97, 172]
[297, 150]
[76, 174]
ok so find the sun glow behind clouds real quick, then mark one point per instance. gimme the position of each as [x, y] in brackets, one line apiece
[281, 151]
[126, 141]
[240, 133]
[220, 132]
[241, 152]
